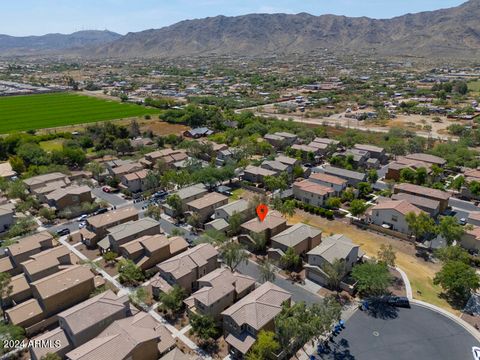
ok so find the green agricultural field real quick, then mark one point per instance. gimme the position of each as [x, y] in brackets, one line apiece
[474, 86]
[27, 112]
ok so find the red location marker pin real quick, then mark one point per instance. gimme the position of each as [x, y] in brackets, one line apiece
[262, 211]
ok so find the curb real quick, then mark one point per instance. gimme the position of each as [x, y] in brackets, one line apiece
[406, 281]
[469, 328]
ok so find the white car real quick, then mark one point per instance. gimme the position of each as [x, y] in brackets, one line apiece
[82, 224]
[82, 217]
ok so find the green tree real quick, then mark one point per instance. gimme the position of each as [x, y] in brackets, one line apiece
[6, 288]
[386, 255]
[358, 207]
[122, 146]
[421, 176]
[267, 271]
[371, 278]
[194, 220]
[364, 189]
[372, 176]
[474, 187]
[214, 237]
[265, 346]
[110, 257]
[204, 327]
[450, 229]
[333, 203]
[235, 221]
[290, 260]
[17, 190]
[408, 175]
[130, 274]
[95, 168]
[17, 164]
[175, 202]
[335, 272]
[458, 280]
[10, 332]
[457, 183]
[173, 300]
[452, 253]
[259, 241]
[348, 195]
[233, 255]
[154, 212]
[421, 224]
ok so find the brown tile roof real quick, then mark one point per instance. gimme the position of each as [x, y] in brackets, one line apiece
[242, 343]
[69, 190]
[259, 307]
[111, 217]
[45, 259]
[29, 243]
[19, 284]
[61, 281]
[423, 191]
[312, 187]
[295, 234]
[56, 338]
[328, 178]
[6, 264]
[402, 206]
[256, 170]
[432, 159]
[142, 174]
[271, 221]
[24, 311]
[207, 200]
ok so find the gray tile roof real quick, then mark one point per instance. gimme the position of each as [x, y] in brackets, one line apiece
[295, 234]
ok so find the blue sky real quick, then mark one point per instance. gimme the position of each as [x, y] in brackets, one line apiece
[37, 17]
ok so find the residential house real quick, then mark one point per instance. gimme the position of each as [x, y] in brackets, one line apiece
[134, 182]
[165, 156]
[138, 337]
[126, 232]
[332, 248]
[81, 323]
[242, 321]
[305, 151]
[30, 245]
[336, 183]
[240, 206]
[69, 196]
[218, 225]
[273, 224]
[198, 132]
[205, 206]
[21, 290]
[276, 141]
[422, 191]
[393, 213]
[430, 206]
[48, 262]
[300, 237]
[352, 177]
[290, 138]
[219, 290]
[471, 239]
[474, 218]
[7, 212]
[125, 169]
[40, 181]
[255, 174]
[395, 167]
[187, 195]
[187, 267]
[358, 157]
[275, 166]
[311, 192]
[427, 158]
[97, 226]
[149, 250]
[375, 152]
[289, 161]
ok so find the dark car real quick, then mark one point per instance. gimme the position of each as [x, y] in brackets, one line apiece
[398, 301]
[63, 232]
[101, 211]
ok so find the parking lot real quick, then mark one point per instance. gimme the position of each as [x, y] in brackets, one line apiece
[401, 334]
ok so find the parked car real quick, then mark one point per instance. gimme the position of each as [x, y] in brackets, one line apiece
[398, 301]
[82, 224]
[107, 189]
[82, 217]
[101, 211]
[63, 232]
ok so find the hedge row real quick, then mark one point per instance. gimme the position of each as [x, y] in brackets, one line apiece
[329, 214]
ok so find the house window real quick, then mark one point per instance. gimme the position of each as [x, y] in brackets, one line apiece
[394, 218]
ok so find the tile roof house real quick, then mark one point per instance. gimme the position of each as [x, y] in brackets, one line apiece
[122, 170]
[240, 206]
[40, 181]
[393, 213]
[99, 224]
[428, 205]
[21, 290]
[81, 323]
[187, 267]
[149, 250]
[257, 311]
[28, 246]
[139, 337]
[336, 183]
[218, 290]
[187, 195]
[126, 232]
[257, 174]
[311, 192]
[48, 262]
[431, 159]
[422, 191]
[134, 182]
[275, 166]
[6, 170]
[69, 196]
[375, 151]
[335, 247]
[206, 205]
[352, 177]
[291, 162]
[7, 212]
[395, 167]
[471, 238]
[300, 237]
[273, 224]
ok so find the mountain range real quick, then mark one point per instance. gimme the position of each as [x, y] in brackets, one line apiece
[453, 32]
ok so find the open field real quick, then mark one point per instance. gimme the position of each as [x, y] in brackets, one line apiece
[20, 113]
[419, 272]
[474, 86]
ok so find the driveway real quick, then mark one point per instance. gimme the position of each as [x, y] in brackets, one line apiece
[168, 228]
[298, 293]
[402, 334]
[113, 199]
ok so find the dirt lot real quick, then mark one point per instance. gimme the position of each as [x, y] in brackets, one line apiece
[419, 272]
[162, 128]
[92, 254]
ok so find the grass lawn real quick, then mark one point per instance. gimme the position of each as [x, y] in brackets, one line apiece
[20, 113]
[474, 86]
[236, 194]
[52, 145]
[419, 272]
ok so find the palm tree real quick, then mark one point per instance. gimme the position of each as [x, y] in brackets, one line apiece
[267, 271]
[336, 272]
